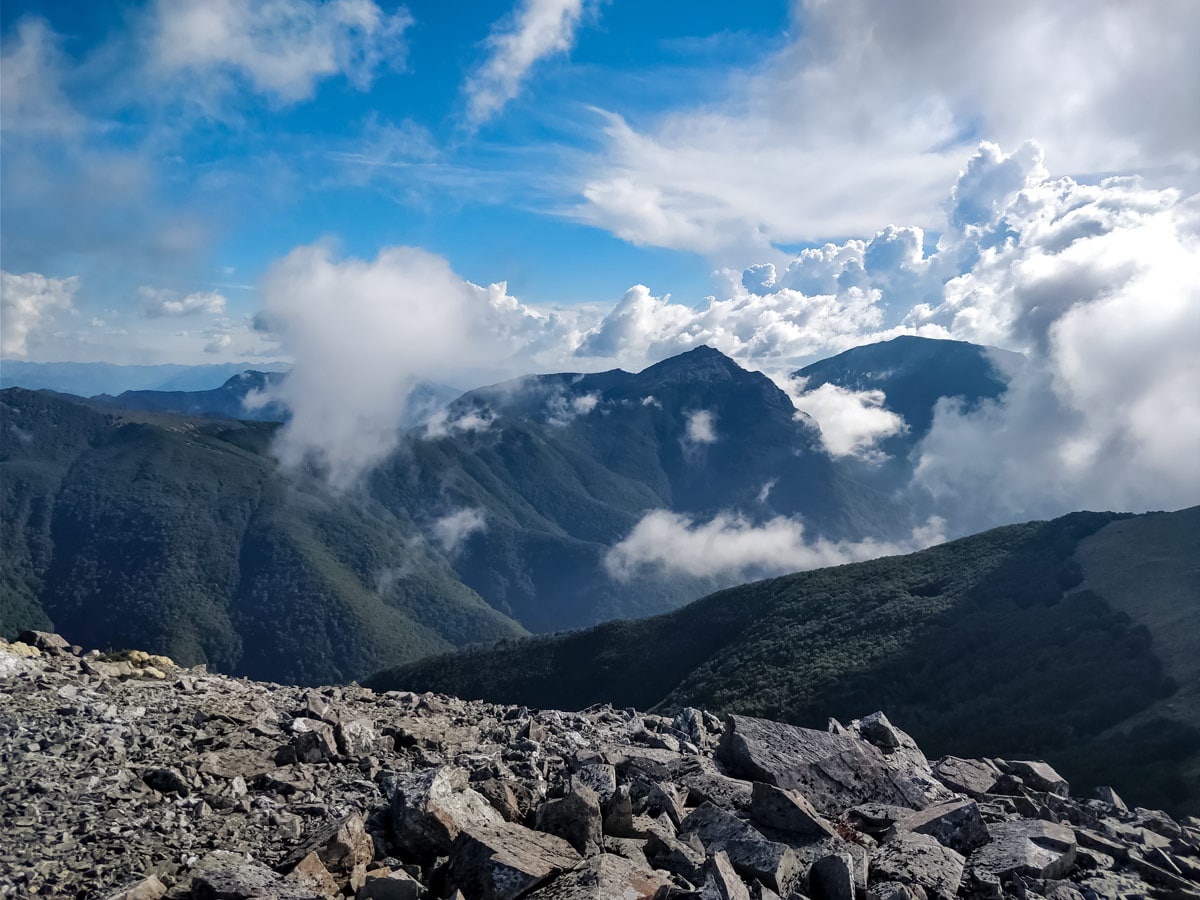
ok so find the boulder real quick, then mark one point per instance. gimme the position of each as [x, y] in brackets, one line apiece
[313, 740]
[506, 860]
[166, 781]
[149, 888]
[224, 875]
[342, 845]
[1033, 848]
[1037, 775]
[575, 818]
[430, 808]
[385, 884]
[356, 738]
[832, 771]
[604, 877]
[47, 642]
[310, 872]
[752, 854]
[788, 811]
[957, 825]
[972, 777]
[918, 860]
[721, 881]
[832, 877]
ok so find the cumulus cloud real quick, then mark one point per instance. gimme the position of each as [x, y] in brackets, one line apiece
[279, 49]
[25, 301]
[731, 547]
[861, 119]
[440, 424]
[157, 303]
[363, 333]
[535, 30]
[701, 427]
[852, 423]
[452, 530]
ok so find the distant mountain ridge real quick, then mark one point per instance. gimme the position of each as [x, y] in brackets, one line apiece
[90, 379]
[1039, 618]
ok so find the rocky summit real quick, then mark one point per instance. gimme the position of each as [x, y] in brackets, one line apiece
[124, 776]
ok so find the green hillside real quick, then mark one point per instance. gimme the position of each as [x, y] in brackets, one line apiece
[181, 537]
[993, 644]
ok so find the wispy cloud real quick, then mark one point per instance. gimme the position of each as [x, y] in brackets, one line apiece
[25, 303]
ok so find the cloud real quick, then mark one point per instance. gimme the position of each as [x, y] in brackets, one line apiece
[279, 49]
[363, 333]
[452, 530]
[534, 31]
[861, 119]
[701, 427]
[851, 422]
[733, 548]
[439, 424]
[219, 344]
[25, 300]
[157, 303]
[31, 92]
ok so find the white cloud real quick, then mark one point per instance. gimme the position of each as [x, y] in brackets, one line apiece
[450, 531]
[157, 302]
[363, 333]
[439, 424]
[219, 344]
[732, 547]
[701, 427]
[25, 300]
[862, 118]
[534, 31]
[852, 422]
[281, 49]
[31, 93]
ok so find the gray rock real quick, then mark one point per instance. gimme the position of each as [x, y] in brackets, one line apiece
[430, 808]
[603, 877]
[832, 771]
[832, 878]
[752, 854]
[575, 818]
[721, 881]
[972, 777]
[1034, 848]
[788, 811]
[166, 781]
[1038, 775]
[957, 825]
[222, 875]
[917, 860]
[1112, 798]
[601, 778]
[343, 847]
[506, 861]
[314, 740]
[388, 885]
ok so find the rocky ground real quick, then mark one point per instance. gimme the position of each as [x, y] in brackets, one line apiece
[127, 777]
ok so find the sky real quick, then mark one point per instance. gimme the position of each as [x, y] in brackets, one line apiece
[377, 191]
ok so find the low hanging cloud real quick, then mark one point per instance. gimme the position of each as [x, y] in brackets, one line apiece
[26, 302]
[452, 530]
[731, 547]
[442, 424]
[852, 423]
[535, 30]
[363, 334]
[701, 427]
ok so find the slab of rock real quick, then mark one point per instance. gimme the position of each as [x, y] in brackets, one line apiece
[752, 854]
[506, 861]
[149, 888]
[972, 777]
[342, 846]
[832, 771]
[920, 861]
[1038, 775]
[388, 885]
[223, 875]
[832, 877]
[1029, 847]
[604, 877]
[47, 642]
[721, 881]
[314, 740]
[430, 808]
[788, 811]
[957, 825]
[575, 818]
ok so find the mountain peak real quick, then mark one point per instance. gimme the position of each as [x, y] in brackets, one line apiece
[703, 363]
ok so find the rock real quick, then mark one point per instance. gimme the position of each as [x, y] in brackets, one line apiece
[1112, 798]
[603, 877]
[918, 860]
[149, 888]
[342, 846]
[356, 738]
[430, 808]
[832, 771]
[894, 890]
[690, 722]
[877, 730]
[166, 781]
[679, 857]
[1034, 848]
[505, 861]
[721, 881]
[788, 811]
[601, 778]
[1037, 775]
[314, 740]
[222, 875]
[972, 777]
[388, 885]
[310, 872]
[46, 642]
[957, 825]
[500, 794]
[752, 854]
[618, 818]
[832, 878]
[575, 818]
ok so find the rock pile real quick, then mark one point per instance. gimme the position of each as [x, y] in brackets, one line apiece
[129, 778]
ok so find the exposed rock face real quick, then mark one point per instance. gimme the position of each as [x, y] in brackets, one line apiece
[129, 778]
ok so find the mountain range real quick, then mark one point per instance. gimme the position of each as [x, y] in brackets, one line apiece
[1076, 639]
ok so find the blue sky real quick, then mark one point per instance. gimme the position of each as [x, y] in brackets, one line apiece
[159, 157]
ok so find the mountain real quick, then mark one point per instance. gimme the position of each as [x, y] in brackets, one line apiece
[88, 379]
[1075, 639]
[182, 536]
[228, 400]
